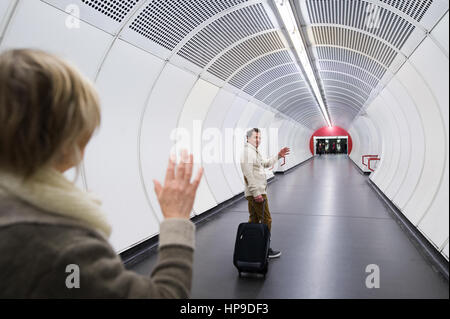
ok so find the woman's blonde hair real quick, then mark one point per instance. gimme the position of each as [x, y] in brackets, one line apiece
[47, 109]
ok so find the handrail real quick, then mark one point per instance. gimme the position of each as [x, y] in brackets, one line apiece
[371, 159]
[364, 156]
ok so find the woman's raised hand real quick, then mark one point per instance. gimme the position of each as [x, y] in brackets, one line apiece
[176, 197]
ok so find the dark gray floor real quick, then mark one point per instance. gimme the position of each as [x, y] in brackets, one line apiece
[329, 225]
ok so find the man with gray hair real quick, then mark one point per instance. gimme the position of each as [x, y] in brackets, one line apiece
[252, 165]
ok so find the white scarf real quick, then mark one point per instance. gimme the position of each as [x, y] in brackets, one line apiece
[49, 190]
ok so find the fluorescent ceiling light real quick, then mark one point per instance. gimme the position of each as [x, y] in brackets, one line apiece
[285, 11]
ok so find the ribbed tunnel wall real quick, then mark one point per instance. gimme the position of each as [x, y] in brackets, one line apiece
[227, 64]
[407, 126]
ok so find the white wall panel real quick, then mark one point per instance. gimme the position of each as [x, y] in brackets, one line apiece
[233, 115]
[254, 119]
[398, 138]
[364, 137]
[303, 138]
[375, 120]
[435, 73]
[435, 222]
[300, 133]
[304, 142]
[417, 144]
[355, 153]
[111, 160]
[240, 138]
[401, 149]
[377, 113]
[159, 122]
[360, 141]
[294, 147]
[299, 138]
[434, 135]
[393, 141]
[379, 136]
[264, 124]
[363, 143]
[357, 149]
[440, 33]
[281, 127]
[84, 46]
[213, 170]
[273, 145]
[191, 120]
[283, 135]
[6, 7]
[283, 141]
[292, 159]
[374, 139]
[276, 142]
[388, 162]
[292, 139]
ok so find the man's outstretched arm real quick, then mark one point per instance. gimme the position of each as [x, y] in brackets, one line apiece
[271, 161]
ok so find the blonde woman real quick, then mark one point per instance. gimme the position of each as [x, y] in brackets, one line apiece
[48, 113]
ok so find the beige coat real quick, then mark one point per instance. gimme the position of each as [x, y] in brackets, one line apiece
[38, 247]
[252, 165]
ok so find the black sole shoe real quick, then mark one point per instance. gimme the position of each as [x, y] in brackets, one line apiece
[274, 253]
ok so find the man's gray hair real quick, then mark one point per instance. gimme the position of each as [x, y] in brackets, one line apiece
[250, 132]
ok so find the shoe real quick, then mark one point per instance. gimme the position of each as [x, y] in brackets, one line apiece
[274, 253]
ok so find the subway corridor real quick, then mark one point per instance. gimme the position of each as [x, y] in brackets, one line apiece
[365, 79]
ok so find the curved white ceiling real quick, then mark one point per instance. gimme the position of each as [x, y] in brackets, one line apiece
[356, 46]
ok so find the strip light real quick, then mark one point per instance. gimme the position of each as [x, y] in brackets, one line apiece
[285, 11]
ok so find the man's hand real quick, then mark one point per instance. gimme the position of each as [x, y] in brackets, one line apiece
[259, 198]
[176, 197]
[283, 152]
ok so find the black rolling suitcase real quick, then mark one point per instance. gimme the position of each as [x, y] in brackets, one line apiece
[251, 250]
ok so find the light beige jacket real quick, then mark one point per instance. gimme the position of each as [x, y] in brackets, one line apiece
[252, 165]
